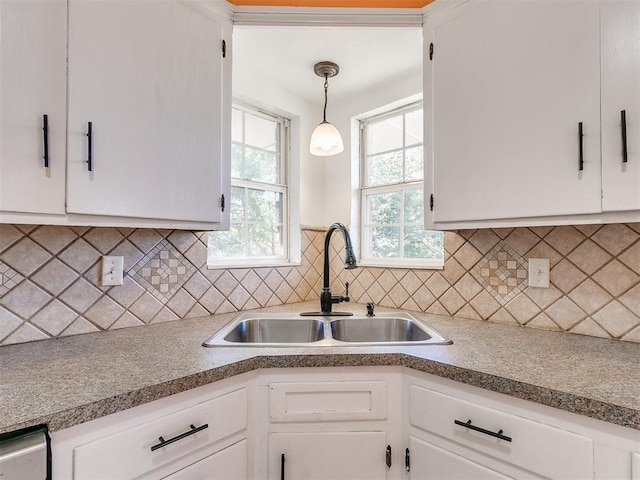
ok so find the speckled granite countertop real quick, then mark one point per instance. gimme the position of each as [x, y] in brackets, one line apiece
[71, 380]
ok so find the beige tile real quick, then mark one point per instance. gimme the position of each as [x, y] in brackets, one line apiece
[522, 240]
[424, 275]
[182, 240]
[502, 316]
[387, 302]
[53, 238]
[146, 307]
[25, 299]
[452, 301]
[211, 300]
[398, 295]
[631, 300]
[197, 285]
[127, 293]
[164, 315]
[104, 313]
[8, 235]
[411, 306]
[565, 313]
[616, 278]
[25, 257]
[387, 281]
[485, 304]
[80, 325]
[566, 276]
[145, 239]
[437, 284]
[453, 271]
[80, 295]
[240, 273]
[452, 242]
[484, 240]
[375, 293]
[589, 257]
[227, 307]
[631, 257]
[522, 308]
[252, 281]
[80, 256]
[423, 298]
[615, 237]
[273, 281]
[468, 287]
[197, 255]
[588, 230]
[197, 311]
[103, 239]
[226, 283]
[9, 278]
[130, 254]
[468, 256]
[541, 231]
[544, 250]
[125, 321]
[411, 282]
[616, 319]
[543, 297]
[8, 323]
[239, 296]
[55, 277]
[54, 318]
[467, 312]
[591, 328]
[503, 232]
[181, 302]
[26, 333]
[543, 322]
[436, 308]
[564, 239]
[590, 297]
[253, 304]
[632, 336]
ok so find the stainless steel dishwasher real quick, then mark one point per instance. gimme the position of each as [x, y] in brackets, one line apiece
[25, 454]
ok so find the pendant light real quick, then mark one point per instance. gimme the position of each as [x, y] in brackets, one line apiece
[326, 139]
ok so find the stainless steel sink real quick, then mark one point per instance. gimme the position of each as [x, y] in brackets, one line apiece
[291, 330]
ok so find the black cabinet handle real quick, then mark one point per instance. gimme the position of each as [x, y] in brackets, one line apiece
[581, 160]
[468, 425]
[45, 136]
[164, 443]
[282, 467]
[623, 127]
[90, 146]
[388, 456]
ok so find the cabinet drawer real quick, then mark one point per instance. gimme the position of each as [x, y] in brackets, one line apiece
[224, 415]
[328, 401]
[534, 446]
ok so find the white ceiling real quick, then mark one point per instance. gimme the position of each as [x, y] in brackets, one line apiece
[285, 56]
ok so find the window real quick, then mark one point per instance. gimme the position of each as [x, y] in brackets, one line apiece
[392, 192]
[258, 232]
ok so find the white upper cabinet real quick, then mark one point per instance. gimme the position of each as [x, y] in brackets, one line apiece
[620, 54]
[33, 51]
[147, 76]
[510, 84]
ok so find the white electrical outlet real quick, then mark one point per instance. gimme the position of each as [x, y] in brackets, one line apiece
[539, 272]
[112, 270]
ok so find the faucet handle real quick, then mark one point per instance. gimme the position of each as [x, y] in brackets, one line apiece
[346, 297]
[370, 307]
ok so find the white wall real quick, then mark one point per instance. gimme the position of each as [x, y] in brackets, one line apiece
[341, 172]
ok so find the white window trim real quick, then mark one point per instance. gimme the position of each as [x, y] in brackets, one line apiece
[363, 190]
[291, 242]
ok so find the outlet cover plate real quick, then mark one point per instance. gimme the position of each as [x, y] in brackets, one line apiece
[539, 272]
[112, 270]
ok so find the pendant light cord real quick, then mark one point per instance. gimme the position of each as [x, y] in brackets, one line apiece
[326, 87]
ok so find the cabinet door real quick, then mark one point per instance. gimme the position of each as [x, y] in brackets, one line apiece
[429, 462]
[227, 464]
[328, 456]
[148, 76]
[620, 57]
[510, 82]
[33, 52]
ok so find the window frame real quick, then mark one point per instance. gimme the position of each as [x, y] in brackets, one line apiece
[283, 188]
[401, 187]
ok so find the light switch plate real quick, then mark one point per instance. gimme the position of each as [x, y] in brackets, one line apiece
[539, 272]
[112, 270]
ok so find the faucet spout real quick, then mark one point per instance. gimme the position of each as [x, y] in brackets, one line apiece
[327, 299]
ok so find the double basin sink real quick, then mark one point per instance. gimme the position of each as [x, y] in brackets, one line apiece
[291, 330]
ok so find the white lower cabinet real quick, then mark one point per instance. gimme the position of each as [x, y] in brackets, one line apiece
[227, 464]
[328, 456]
[429, 462]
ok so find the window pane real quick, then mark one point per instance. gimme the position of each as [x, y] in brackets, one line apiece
[413, 125]
[384, 208]
[384, 169]
[265, 207]
[414, 164]
[384, 242]
[237, 212]
[413, 206]
[261, 166]
[420, 243]
[384, 135]
[236, 125]
[265, 240]
[261, 132]
[236, 161]
[228, 244]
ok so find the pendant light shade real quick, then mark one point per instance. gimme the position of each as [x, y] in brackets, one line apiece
[326, 139]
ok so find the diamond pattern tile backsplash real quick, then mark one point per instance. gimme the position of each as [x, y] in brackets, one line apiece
[49, 279]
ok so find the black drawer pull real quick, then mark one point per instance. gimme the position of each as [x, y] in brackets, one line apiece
[623, 126]
[164, 443]
[581, 159]
[282, 467]
[45, 135]
[90, 146]
[482, 430]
